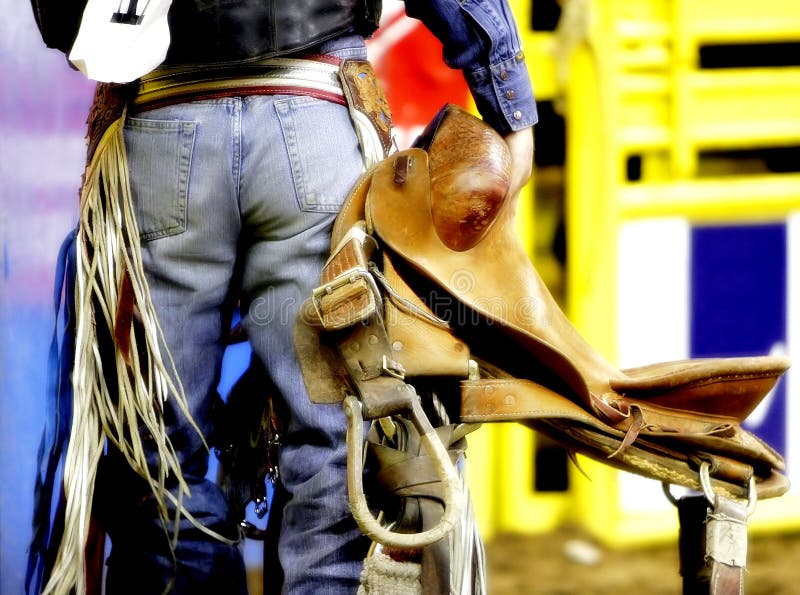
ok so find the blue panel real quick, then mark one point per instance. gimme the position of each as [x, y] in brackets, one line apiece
[738, 303]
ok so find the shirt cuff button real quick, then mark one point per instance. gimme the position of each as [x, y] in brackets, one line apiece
[517, 115]
[504, 75]
[511, 94]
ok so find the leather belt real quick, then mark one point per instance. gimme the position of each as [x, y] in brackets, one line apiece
[317, 76]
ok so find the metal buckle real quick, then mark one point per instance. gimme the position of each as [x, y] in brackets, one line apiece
[705, 483]
[708, 491]
[349, 276]
[392, 368]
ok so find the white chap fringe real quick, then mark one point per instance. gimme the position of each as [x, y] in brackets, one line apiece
[467, 554]
[384, 576]
[108, 250]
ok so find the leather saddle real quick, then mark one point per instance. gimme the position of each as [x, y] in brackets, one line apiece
[427, 279]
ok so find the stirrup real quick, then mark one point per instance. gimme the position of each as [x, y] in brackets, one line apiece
[369, 525]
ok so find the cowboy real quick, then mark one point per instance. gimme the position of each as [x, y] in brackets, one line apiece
[201, 195]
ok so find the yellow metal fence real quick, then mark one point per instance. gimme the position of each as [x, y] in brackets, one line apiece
[629, 78]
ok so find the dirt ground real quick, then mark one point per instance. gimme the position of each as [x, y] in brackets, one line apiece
[566, 563]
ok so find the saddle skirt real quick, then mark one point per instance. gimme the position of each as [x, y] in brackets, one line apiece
[458, 296]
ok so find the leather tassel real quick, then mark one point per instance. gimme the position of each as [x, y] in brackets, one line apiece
[123, 321]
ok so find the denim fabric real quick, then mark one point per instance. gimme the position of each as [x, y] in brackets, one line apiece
[235, 197]
[480, 38]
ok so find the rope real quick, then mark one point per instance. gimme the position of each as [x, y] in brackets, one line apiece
[384, 576]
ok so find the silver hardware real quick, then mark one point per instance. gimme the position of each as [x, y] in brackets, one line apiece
[705, 483]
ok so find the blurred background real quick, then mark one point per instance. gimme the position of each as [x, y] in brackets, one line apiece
[663, 214]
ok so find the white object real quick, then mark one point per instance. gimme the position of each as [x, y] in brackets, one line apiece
[582, 552]
[121, 40]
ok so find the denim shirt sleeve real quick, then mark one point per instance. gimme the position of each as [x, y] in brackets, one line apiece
[480, 38]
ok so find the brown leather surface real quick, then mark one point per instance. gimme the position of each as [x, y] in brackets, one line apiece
[324, 374]
[422, 348]
[659, 420]
[726, 580]
[349, 298]
[352, 210]
[497, 279]
[108, 105]
[408, 479]
[365, 94]
[727, 577]
[671, 408]
[724, 386]
[657, 453]
[468, 186]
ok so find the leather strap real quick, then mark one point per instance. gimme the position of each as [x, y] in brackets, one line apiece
[406, 472]
[712, 545]
[346, 82]
[378, 380]
[726, 546]
[347, 293]
[348, 301]
[662, 455]
[692, 514]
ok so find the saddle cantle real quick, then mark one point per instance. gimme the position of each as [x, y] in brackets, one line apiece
[479, 178]
[465, 289]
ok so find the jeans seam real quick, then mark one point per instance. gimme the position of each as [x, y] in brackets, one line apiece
[237, 147]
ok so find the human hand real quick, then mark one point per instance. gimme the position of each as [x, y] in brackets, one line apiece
[520, 143]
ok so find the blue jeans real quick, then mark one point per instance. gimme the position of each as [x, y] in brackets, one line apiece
[235, 198]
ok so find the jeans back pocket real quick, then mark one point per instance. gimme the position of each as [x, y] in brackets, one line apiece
[159, 160]
[323, 151]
